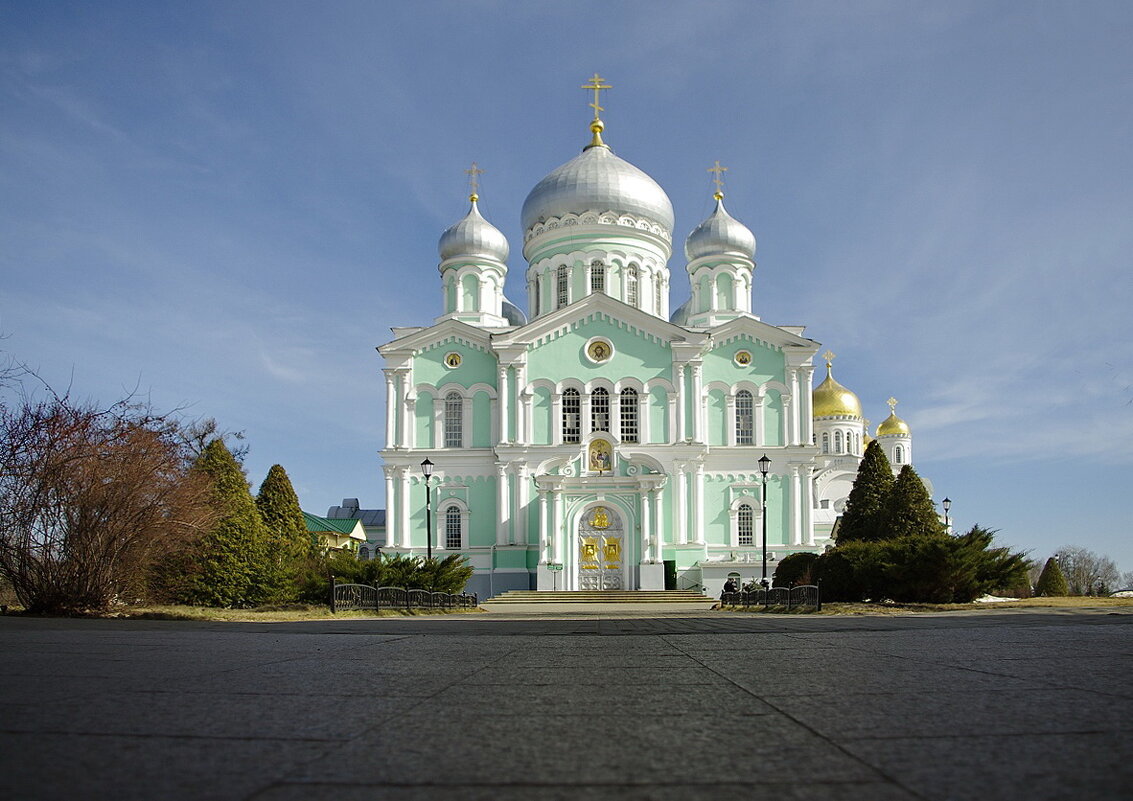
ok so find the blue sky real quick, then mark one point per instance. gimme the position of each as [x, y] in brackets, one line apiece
[227, 205]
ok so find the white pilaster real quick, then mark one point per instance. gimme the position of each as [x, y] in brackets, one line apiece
[556, 532]
[796, 406]
[698, 501]
[502, 510]
[730, 418]
[682, 427]
[557, 418]
[681, 504]
[522, 405]
[644, 428]
[795, 507]
[522, 501]
[403, 496]
[502, 392]
[391, 508]
[647, 552]
[658, 534]
[697, 405]
[807, 503]
[760, 420]
[391, 409]
[544, 528]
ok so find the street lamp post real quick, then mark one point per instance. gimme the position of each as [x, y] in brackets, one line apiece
[764, 466]
[427, 469]
[947, 504]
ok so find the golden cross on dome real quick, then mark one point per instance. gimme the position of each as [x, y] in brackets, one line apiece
[829, 358]
[719, 179]
[596, 84]
[892, 405]
[474, 174]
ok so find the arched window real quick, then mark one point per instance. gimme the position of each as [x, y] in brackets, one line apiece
[898, 455]
[597, 276]
[837, 442]
[631, 285]
[746, 524]
[454, 420]
[562, 281]
[745, 418]
[453, 533]
[628, 410]
[825, 442]
[600, 410]
[572, 416]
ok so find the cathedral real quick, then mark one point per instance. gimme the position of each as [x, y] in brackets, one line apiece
[604, 441]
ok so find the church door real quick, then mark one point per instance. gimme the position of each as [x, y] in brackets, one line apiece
[600, 549]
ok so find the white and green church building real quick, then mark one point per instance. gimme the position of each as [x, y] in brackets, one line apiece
[603, 434]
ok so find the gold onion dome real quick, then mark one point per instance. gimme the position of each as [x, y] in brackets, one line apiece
[893, 426]
[473, 236]
[831, 399]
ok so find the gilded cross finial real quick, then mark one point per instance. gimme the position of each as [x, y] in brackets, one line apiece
[474, 173]
[719, 179]
[596, 84]
[829, 358]
[892, 405]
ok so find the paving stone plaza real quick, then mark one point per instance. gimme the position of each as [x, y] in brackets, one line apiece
[608, 704]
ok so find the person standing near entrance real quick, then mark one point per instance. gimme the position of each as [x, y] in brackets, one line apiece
[729, 586]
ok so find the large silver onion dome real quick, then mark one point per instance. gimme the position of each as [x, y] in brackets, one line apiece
[720, 234]
[597, 180]
[473, 236]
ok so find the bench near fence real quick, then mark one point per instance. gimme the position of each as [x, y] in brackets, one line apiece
[790, 597]
[364, 596]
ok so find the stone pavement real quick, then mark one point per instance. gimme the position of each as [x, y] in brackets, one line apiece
[602, 704]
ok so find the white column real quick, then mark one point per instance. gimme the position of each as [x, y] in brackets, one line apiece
[391, 409]
[403, 394]
[502, 515]
[544, 528]
[647, 554]
[403, 504]
[391, 509]
[557, 526]
[795, 508]
[466, 430]
[682, 428]
[584, 424]
[760, 420]
[730, 418]
[682, 505]
[644, 427]
[796, 407]
[698, 505]
[697, 405]
[557, 419]
[522, 399]
[522, 501]
[658, 534]
[786, 418]
[808, 504]
[438, 423]
[502, 392]
[805, 405]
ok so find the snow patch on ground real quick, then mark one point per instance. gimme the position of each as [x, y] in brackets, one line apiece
[993, 599]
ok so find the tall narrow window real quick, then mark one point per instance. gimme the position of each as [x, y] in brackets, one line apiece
[899, 455]
[453, 539]
[826, 443]
[572, 416]
[745, 418]
[561, 281]
[628, 414]
[454, 420]
[746, 521]
[657, 293]
[837, 442]
[600, 410]
[631, 285]
[538, 294]
[597, 276]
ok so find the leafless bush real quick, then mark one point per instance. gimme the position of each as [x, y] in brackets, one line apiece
[89, 497]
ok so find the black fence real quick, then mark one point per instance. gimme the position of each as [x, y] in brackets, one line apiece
[363, 596]
[790, 597]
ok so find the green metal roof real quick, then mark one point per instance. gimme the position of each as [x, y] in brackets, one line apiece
[318, 525]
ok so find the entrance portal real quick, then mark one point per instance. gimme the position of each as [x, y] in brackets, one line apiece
[600, 541]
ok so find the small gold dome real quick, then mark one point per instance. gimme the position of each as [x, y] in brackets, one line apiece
[831, 399]
[893, 425]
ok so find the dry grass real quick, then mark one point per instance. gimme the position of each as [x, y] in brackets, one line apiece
[289, 613]
[836, 608]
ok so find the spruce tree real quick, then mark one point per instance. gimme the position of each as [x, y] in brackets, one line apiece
[866, 507]
[909, 510]
[231, 565]
[1051, 583]
[282, 516]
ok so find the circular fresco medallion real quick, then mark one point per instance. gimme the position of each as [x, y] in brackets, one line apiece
[743, 358]
[452, 360]
[599, 350]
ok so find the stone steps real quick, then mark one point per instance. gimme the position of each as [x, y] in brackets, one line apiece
[599, 597]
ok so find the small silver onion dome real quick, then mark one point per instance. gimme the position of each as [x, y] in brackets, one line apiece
[473, 236]
[513, 314]
[720, 234]
[680, 316]
[597, 180]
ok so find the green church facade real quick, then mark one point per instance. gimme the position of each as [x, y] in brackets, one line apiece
[588, 446]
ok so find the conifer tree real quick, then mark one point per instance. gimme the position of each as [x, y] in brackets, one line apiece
[231, 567]
[866, 508]
[282, 516]
[1051, 583]
[909, 509]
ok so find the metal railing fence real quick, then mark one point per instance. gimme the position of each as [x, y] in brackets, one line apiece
[363, 596]
[790, 597]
